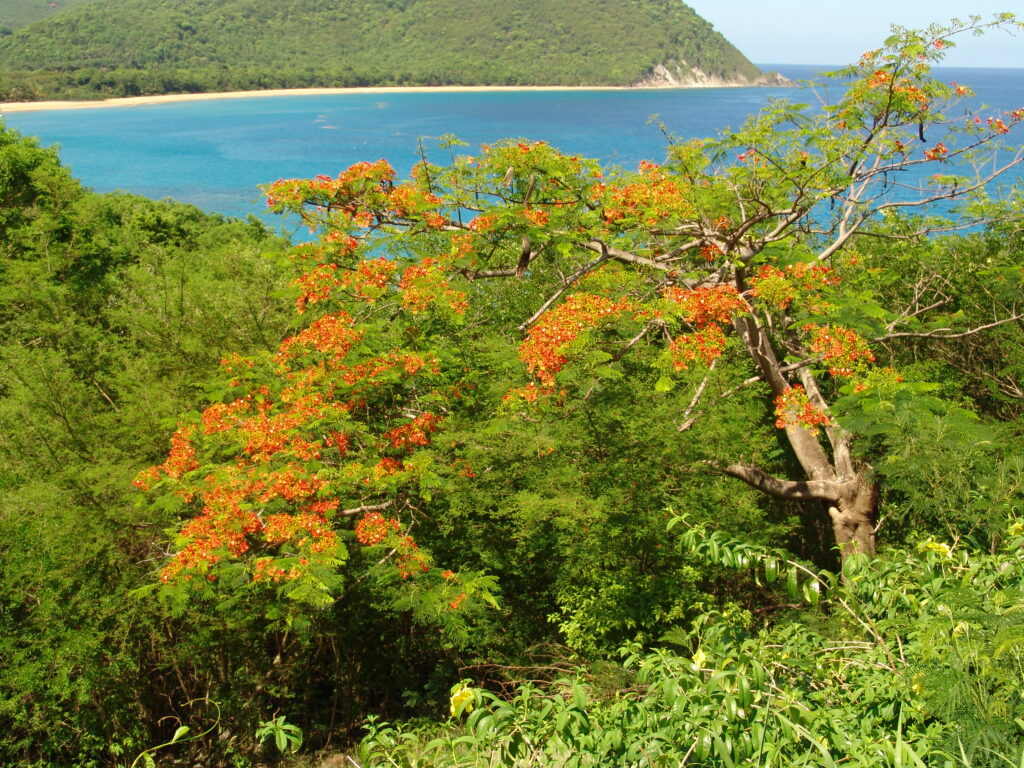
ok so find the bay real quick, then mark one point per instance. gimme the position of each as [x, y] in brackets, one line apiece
[214, 153]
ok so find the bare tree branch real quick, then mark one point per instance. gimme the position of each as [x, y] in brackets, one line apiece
[687, 419]
[364, 508]
[567, 282]
[943, 333]
[630, 258]
[783, 489]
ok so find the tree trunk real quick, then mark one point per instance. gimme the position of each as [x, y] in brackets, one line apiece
[853, 516]
[845, 485]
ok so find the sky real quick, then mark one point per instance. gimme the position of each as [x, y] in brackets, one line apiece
[839, 31]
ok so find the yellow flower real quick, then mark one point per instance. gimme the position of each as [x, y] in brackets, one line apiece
[935, 546]
[699, 658]
[1017, 528]
[461, 700]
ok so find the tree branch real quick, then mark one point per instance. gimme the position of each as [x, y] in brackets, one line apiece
[783, 489]
[566, 283]
[942, 333]
[630, 258]
[687, 419]
[364, 508]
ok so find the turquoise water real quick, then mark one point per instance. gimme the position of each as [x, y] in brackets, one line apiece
[215, 153]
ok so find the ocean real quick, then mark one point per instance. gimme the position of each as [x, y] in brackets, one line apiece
[214, 153]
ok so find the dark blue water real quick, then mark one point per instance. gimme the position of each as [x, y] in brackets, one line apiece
[215, 153]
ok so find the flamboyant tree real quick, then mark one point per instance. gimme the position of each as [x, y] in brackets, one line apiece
[740, 250]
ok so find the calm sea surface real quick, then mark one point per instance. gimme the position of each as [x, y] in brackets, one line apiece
[214, 153]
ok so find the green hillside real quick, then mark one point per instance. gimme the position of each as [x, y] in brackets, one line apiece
[19, 13]
[132, 47]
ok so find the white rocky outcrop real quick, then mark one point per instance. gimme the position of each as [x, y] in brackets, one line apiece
[678, 74]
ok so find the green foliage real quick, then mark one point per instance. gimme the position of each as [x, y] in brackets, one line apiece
[19, 13]
[913, 659]
[109, 327]
[552, 504]
[181, 735]
[287, 737]
[567, 512]
[135, 47]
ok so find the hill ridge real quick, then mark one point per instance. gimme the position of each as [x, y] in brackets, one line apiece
[140, 47]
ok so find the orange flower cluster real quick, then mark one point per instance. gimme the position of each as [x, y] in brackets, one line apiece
[222, 529]
[703, 306]
[812, 277]
[543, 349]
[840, 347]
[291, 483]
[654, 197]
[703, 346]
[264, 569]
[915, 98]
[772, 286]
[914, 95]
[424, 284]
[304, 530]
[147, 478]
[284, 484]
[937, 152]
[710, 252]
[793, 408]
[411, 559]
[358, 174]
[271, 431]
[387, 466]
[342, 242]
[414, 434]
[361, 182]
[373, 528]
[369, 371]
[462, 246]
[221, 417]
[407, 201]
[880, 78]
[536, 216]
[228, 519]
[483, 223]
[182, 457]
[331, 334]
[779, 288]
[370, 279]
[340, 441]
[997, 125]
[531, 393]
[316, 285]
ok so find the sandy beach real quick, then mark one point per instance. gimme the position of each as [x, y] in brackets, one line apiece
[136, 101]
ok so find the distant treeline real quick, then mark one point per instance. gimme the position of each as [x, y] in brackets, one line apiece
[20, 13]
[133, 47]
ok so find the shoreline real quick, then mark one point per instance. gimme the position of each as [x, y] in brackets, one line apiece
[137, 101]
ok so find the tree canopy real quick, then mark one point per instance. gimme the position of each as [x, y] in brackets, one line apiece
[751, 265]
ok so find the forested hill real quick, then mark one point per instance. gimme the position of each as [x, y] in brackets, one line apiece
[19, 13]
[137, 47]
